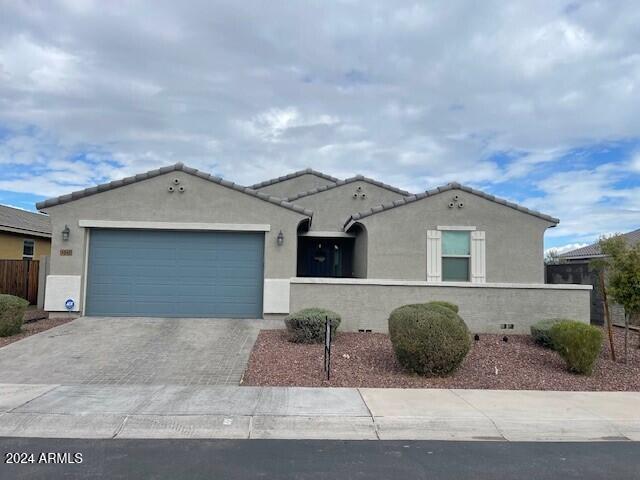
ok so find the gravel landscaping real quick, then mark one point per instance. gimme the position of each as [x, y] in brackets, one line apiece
[367, 360]
[33, 327]
[33, 313]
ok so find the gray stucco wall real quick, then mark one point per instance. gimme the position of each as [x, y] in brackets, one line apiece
[360, 253]
[290, 187]
[149, 200]
[397, 238]
[331, 208]
[484, 309]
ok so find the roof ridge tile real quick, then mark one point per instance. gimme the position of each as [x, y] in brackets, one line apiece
[346, 181]
[444, 188]
[295, 174]
[161, 171]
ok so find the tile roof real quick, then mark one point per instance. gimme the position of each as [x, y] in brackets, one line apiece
[593, 250]
[299, 173]
[451, 186]
[160, 171]
[14, 219]
[344, 182]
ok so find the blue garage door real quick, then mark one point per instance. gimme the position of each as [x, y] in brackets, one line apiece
[175, 274]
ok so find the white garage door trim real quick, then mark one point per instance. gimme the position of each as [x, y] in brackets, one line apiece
[223, 227]
[90, 231]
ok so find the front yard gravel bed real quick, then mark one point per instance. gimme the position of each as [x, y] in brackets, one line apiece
[33, 327]
[367, 360]
[32, 314]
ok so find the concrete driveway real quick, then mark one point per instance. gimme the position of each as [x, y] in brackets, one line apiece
[123, 350]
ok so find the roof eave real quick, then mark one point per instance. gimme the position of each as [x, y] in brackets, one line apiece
[347, 181]
[299, 173]
[26, 232]
[445, 188]
[51, 202]
[582, 257]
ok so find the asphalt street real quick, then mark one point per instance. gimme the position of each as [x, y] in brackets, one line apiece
[314, 459]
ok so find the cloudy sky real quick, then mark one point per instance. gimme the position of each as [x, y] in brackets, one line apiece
[537, 102]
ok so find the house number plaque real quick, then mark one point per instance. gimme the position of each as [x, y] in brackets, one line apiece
[66, 253]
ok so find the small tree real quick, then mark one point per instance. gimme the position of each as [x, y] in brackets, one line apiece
[624, 278]
[552, 257]
[600, 265]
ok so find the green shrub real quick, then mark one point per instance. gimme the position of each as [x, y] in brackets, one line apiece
[444, 304]
[578, 343]
[11, 314]
[428, 339]
[308, 325]
[541, 331]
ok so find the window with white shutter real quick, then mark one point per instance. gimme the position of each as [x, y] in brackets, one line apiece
[456, 254]
[478, 267]
[433, 256]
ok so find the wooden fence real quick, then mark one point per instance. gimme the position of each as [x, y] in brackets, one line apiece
[20, 278]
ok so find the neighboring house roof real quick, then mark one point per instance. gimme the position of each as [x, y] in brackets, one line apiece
[345, 182]
[161, 171]
[593, 250]
[21, 221]
[299, 173]
[451, 186]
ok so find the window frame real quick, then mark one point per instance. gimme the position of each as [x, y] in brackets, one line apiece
[26, 242]
[443, 256]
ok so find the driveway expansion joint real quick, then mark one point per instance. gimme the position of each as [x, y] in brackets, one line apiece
[22, 405]
[120, 427]
[373, 419]
[493, 422]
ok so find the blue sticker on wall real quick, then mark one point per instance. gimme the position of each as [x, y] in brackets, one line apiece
[69, 304]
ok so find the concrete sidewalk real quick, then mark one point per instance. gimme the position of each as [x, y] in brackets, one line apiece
[145, 411]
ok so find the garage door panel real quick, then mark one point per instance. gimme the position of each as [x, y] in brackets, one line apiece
[163, 273]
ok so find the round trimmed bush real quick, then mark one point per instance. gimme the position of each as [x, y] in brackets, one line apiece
[541, 331]
[578, 343]
[442, 303]
[308, 325]
[11, 314]
[428, 339]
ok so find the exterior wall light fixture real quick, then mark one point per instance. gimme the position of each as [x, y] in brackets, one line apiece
[280, 238]
[65, 233]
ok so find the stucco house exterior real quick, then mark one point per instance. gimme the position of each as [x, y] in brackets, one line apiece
[23, 235]
[179, 242]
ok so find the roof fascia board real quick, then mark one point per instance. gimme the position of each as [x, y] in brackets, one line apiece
[22, 231]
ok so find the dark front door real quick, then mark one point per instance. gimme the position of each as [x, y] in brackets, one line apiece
[325, 257]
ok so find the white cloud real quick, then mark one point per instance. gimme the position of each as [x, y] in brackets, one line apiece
[416, 94]
[587, 202]
[272, 124]
[40, 68]
[634, 164]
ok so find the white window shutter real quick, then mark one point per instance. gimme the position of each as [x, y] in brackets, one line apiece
[434, 256]
[478, 263]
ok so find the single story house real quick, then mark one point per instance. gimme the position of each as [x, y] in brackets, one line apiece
[574, 267]
[180, 242]
[590, 252]
[23, 235]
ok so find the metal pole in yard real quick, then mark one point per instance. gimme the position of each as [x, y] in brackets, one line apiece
[327, 347]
